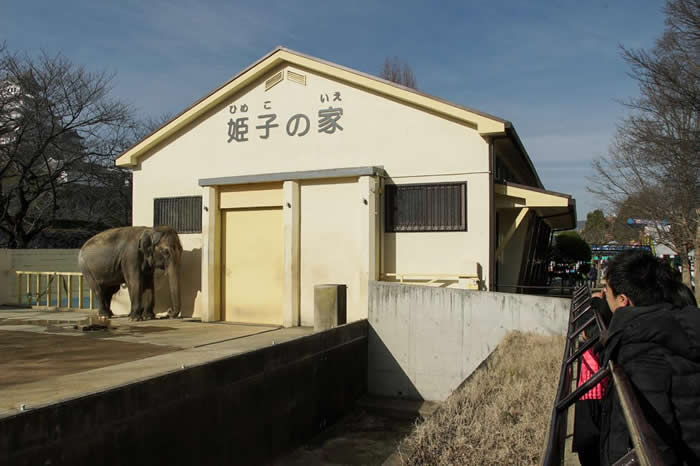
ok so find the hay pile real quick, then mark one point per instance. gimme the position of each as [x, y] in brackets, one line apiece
[500, 415]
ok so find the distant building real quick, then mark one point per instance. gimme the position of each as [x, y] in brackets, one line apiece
[10, 101]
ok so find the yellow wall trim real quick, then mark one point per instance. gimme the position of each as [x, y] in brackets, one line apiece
[532, 197]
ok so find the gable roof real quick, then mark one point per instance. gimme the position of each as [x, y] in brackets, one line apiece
[485, 124]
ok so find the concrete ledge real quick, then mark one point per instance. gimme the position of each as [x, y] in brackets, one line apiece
[292, 176]
[242, 409]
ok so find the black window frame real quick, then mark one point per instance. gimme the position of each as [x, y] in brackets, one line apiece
[392, 190]
[176, 221]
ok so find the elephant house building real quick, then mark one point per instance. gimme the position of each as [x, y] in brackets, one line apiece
[299, 172]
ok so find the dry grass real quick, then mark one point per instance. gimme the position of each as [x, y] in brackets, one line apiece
[500, 415]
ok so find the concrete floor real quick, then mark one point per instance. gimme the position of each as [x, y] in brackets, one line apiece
[47, 357]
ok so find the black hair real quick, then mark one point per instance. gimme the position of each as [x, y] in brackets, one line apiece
[680, 295]
[644, 278]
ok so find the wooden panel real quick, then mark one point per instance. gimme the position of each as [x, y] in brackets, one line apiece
[251, 195]
[253, 278]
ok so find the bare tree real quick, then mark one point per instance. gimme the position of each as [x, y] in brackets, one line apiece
[106, 195]
[672, 68]
[399, 72]
[623, 232]
[654, 161]
[58, 128]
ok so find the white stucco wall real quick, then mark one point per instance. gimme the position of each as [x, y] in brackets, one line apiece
[331, 242]
[445, 252]
[376, 131]
[412, 145]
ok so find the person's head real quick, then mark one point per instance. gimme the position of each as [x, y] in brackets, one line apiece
[680, 295]
[636, 278]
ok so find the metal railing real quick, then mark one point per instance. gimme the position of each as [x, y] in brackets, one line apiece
[541, 290]
[53, 290]
[582, 316]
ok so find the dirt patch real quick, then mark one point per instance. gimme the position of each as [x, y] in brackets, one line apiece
[30, 356]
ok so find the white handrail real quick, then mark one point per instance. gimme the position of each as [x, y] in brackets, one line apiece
[435, 277]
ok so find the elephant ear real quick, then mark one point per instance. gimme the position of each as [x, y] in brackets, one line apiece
[156, 236]
[146, 245]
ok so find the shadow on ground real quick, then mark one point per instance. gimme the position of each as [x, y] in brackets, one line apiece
[362, 437]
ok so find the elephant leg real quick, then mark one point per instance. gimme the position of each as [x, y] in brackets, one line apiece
[99, 296]
[147, 303]
[135, 296]
[136, 312]
[102, 311]
[104, 299]
[148, 297]
[107, 293]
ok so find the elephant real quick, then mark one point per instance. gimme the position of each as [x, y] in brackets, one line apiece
[131, 255]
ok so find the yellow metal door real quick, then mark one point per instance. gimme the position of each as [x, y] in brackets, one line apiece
[253, 275]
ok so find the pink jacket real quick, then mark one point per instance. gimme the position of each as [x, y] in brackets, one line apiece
[589, 366]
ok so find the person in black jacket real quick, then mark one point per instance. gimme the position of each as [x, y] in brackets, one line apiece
[657, 344]
[586, 438]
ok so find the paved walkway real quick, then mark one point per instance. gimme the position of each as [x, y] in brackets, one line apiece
[48, 358]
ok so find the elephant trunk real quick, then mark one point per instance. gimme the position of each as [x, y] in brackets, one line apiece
[173, 272]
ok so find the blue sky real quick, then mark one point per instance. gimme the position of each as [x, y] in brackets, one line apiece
[552, 67]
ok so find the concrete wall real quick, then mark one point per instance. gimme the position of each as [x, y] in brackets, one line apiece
[244, 409]
[33, 260]
[425, 341]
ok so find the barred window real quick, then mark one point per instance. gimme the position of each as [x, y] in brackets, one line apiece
[184, 214]
[426, 207]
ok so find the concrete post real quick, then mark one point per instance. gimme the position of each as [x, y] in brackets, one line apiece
[330, 306]
[211, 256]
[369, 224]
[291, 212]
